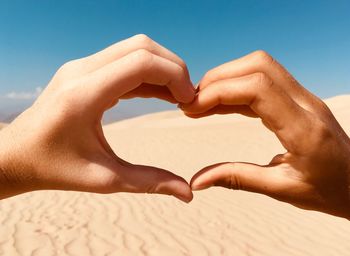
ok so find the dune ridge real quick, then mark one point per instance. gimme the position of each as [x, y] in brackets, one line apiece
[217, 222]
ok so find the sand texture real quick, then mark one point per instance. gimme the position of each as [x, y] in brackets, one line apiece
[217, 222]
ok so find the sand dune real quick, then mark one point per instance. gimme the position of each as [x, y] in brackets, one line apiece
[217, 222]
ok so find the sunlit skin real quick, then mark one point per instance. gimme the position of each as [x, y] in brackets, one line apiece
[314, 172]
[58, 143]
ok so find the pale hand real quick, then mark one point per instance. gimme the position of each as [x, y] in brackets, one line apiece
[58, 143]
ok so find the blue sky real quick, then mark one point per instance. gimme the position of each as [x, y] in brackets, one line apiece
[311, 38]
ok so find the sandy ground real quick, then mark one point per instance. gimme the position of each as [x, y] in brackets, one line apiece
[217, 222]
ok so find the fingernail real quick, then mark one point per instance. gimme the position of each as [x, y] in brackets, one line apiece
[183, 199]
[196, 187]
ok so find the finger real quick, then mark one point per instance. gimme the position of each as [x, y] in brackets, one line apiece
[242, 176]
[140, 67]
[127, 46]
[146, 179]
[225, 109]
[256, 62]
[276, 109]
[117, 175]
[150, 91]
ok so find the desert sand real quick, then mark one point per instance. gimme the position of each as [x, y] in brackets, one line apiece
[217, 222]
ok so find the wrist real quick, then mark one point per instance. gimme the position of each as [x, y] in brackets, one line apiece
[13, 180]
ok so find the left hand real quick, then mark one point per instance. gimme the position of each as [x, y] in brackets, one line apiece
[58, 143]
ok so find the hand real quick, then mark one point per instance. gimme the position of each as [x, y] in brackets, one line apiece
[314, 173]
[58, 143]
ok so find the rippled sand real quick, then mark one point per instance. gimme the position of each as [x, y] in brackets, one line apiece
[217, 222]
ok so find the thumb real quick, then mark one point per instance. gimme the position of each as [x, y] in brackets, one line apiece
[240, 176]
[147, 179]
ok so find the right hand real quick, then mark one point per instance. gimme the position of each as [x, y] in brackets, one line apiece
[314, 173]
[58, 143]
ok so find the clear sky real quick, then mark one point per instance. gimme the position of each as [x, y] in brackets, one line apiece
[311, 38]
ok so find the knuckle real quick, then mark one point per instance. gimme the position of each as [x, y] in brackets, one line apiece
[143, 41]
[263, 57]
[182, 64]
[262, 80]
[260, 87]
[68, 70]
[208, 76]
[68, 66]
[179, 71]
[152, 189]
[234, 182]
[143, 58]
